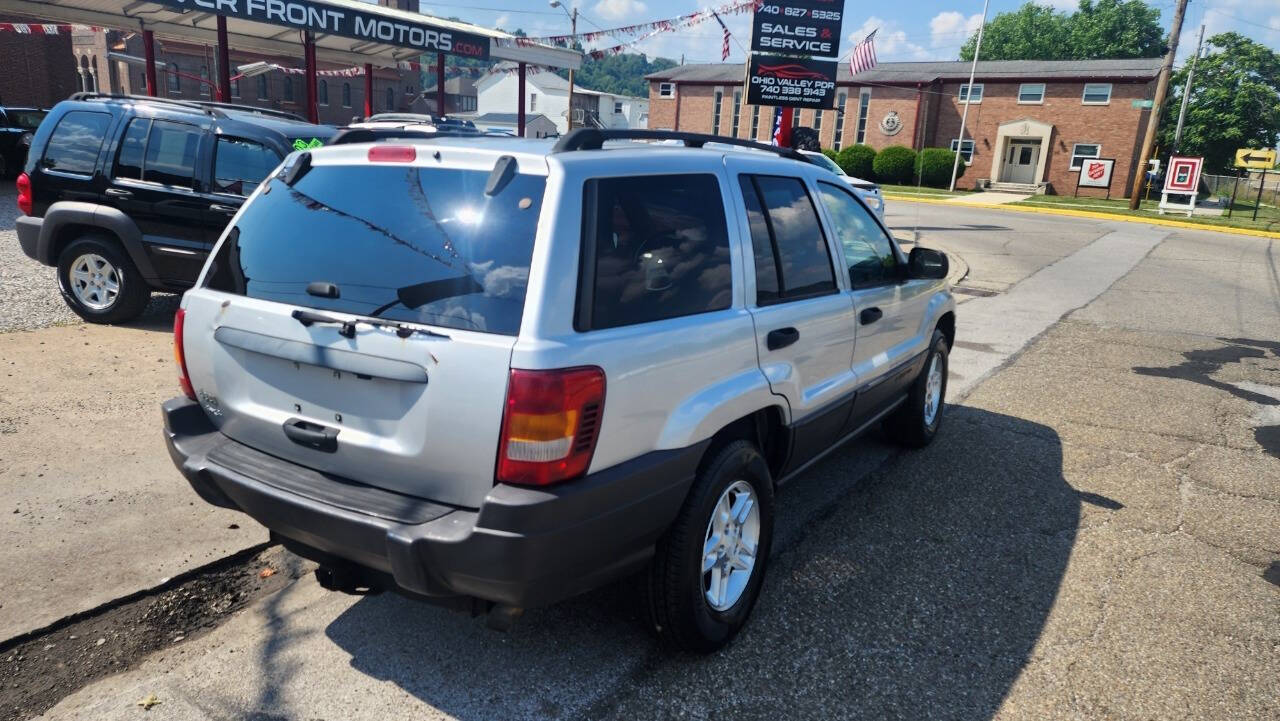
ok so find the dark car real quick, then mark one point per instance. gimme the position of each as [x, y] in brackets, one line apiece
[126, 194]
[17, 128]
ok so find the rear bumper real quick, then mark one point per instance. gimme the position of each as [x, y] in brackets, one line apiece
[28, 229]
[523, 547]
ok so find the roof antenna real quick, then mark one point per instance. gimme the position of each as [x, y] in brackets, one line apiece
[503, 172]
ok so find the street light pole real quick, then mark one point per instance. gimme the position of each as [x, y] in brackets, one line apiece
[1186, 93]
[573, 32]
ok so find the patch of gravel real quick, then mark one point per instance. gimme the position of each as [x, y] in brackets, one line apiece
[29, 296]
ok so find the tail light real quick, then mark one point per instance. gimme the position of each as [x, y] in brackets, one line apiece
[184, 380]
[550, 426]
[24, 194]
[392, 154]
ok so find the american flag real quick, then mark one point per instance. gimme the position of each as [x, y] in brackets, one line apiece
[864, 54]
[724, 47]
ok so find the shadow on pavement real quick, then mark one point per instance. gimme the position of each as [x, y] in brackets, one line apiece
[920, 593]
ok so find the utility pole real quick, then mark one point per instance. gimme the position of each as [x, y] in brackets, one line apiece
[1157, 104]
[573, 38]
[968, 98]
[1186, 93]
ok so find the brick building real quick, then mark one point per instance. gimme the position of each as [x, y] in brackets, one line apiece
[1029, 120]
[38, 68]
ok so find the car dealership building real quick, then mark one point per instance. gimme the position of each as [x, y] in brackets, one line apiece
[1030, 121]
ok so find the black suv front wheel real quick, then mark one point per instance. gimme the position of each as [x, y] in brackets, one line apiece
[99, 282]
[708, 569]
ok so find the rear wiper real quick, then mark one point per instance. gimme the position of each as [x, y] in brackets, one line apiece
[348, 327]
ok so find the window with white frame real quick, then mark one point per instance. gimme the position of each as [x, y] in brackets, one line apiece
[533, 102]
[1080, 151]
[840, 101]
[666, 90]
[1031, 93]
[971, 95]
[617, 108]
[755, 121]
[737, 112]
[966, 149]
[864, 106]
[1096, 94]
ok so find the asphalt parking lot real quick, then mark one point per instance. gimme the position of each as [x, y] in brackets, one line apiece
[1095, 534]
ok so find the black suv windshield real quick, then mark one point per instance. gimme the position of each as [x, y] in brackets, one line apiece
[424, 245]
[26, 119]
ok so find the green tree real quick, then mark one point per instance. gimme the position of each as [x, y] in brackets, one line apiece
[619, 74]
[1235, 102]
[1097, 29]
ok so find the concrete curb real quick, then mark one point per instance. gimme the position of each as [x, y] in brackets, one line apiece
[1089, 214]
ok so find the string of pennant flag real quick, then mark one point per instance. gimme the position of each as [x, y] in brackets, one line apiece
[642, 30]
[47, 28]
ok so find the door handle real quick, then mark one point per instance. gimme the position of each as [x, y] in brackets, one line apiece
[220, 208]
[312, 435]
[870, 315]
[118, 193]
[781, 338]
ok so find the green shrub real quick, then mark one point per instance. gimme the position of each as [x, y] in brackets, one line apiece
[894, 164]
[856, 160]
[933, 167]
[830, 154]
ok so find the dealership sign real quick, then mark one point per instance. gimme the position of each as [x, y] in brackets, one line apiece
[800, 27]
[329, 19]
[791, 82]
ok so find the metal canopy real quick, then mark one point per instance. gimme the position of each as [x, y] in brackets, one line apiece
[383, 39]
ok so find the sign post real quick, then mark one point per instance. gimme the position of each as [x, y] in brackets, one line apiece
[787, 69]
[1183, 178]
[1257, 202]
[1095, 173]
[1257, 159]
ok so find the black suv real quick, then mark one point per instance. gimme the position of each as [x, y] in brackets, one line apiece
[128, 194]
[17, 128]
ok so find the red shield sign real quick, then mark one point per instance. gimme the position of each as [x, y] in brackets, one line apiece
[1097, 170]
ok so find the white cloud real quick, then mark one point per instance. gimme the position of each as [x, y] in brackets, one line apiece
[619, 9]
[502, 20]
[891, 41]
[951, 29]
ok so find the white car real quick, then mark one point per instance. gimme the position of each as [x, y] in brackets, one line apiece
[869, 191]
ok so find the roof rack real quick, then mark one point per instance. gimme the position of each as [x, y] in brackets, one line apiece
[139, 98]
[349, 136]
[594, 139]
[208, 107]
[216, 105]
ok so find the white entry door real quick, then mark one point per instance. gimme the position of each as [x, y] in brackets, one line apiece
[1020, 161]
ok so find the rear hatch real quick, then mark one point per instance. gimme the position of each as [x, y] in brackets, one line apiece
[378, 302]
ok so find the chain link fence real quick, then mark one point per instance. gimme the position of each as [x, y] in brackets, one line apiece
[1220, 186]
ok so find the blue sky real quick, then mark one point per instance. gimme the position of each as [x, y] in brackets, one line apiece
[911, 30]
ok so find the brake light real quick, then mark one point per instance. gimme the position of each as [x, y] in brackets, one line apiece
[550, 426]
[25, 203]
[184, 381]
[392, 154]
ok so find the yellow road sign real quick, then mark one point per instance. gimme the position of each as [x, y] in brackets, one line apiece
[1255, 158]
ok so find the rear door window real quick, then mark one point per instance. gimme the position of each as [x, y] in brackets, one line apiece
[171, 153]
[73, 147]
[132, 147]
[792, 259]
[406, 243]
[240, 165]
[654, 247]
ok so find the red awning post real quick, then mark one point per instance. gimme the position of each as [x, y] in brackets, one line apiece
[368, 89]
[224, 62]
[440, 84]
[149, 50]
[309, 53]
[520, 101]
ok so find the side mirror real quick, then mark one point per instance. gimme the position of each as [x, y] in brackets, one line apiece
[927, 263]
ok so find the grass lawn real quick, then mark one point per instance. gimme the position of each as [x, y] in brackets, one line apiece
[1241, 213]
[921, 190]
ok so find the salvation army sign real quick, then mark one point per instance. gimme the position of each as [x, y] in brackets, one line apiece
[800, 27]
[345, 21]
[791, 82]
[1095, 173]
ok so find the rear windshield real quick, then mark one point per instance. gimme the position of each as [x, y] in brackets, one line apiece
[424, 245]
[27, 119]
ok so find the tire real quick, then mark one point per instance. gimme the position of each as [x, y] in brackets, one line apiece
[680, 611]
[916, 421]
[88, 268]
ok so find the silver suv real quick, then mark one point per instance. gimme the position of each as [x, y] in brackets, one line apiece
[496, 373]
